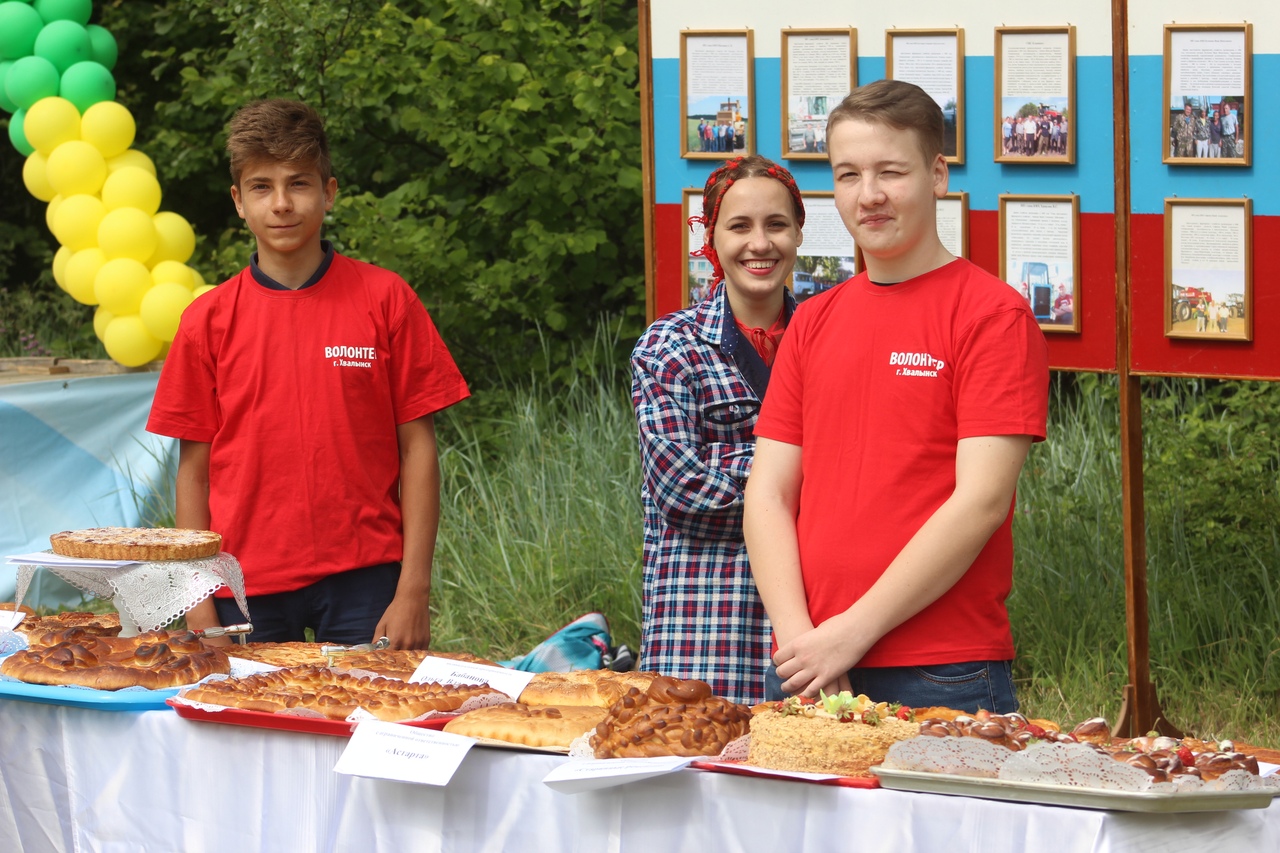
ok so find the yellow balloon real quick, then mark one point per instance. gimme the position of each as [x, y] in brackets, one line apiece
[60, 259]
[101, 317]
[162, 307]
[76, 167]
[175, 272]
[128, 341]
[50, 210]
[132, 157]
[177, 238]
[195, 273]
[202, 289]
[35, 174]
[51, 122]
[131, 186]
[109, 127]
[82, 273]
[120, 285]
[127, 232]
[75, 221]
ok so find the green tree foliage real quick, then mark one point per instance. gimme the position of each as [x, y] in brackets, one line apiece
[489, 152]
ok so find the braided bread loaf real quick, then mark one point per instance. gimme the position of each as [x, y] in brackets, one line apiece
[672, 717]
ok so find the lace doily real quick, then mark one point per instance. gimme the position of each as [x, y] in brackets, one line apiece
[151, 595]
[955, 756]
[1072, 765]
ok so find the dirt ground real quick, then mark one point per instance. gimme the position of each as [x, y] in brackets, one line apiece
[1235, 327]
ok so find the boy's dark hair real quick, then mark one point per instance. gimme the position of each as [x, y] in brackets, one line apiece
[898, 104]
[280, 131]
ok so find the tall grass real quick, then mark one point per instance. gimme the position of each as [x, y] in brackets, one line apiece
[1213, 620]
[541, 517]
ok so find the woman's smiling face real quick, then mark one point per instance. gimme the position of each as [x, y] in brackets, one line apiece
[756, 237]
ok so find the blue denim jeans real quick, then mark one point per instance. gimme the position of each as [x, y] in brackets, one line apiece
[963, 686]
[343, 608]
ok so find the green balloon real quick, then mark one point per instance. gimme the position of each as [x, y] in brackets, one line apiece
[17, 136]
[30, 79]
[64, 43]
[6, 103]
[86, 83]
[19, 26]
[105, 51]
[65, 10]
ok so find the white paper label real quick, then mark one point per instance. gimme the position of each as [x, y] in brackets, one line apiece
[9, 619]
[435, 670]
[574, 777]
[400, 753]
[41, 558]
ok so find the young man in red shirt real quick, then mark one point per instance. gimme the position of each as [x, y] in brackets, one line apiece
[302, 391]
[901, 408]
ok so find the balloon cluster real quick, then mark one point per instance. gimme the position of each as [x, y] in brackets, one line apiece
[118, 251]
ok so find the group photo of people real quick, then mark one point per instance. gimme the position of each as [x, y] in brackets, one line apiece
[717, 126]
[1206, 127]
[1034, 129]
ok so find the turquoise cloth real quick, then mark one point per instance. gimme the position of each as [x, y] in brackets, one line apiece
[74, 453]
[582, 644]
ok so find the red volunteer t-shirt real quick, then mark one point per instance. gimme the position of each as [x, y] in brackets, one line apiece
[877, 385]
[299, 393]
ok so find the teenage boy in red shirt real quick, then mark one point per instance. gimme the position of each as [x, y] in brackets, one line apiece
[901, 408]
[302, 391]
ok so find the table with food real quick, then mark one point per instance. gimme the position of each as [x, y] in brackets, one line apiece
[243, 739]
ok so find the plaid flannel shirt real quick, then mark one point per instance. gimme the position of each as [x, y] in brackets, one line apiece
[696, 387]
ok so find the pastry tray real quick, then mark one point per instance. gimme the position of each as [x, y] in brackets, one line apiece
[87, 697]
[1059, 795]
[738, 768]
[288, 722]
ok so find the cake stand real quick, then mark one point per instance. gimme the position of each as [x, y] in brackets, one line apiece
[150, 595]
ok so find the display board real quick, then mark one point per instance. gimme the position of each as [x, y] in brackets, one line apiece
[1184, 55]
[825, 42]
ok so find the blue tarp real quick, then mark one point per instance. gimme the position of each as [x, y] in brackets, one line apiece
[74, 453]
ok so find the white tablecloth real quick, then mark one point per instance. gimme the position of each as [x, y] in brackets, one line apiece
[75, 779]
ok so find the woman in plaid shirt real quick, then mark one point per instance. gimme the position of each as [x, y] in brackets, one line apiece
[698, 377]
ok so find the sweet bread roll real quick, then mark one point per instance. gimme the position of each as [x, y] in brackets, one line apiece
[154, 660]
[549, 726]
[598, 687]
[335, 694]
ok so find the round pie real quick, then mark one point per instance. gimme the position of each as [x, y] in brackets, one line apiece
[136, 543]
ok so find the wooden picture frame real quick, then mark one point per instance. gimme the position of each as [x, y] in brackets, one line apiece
[828, 254]
[953, 223]
[717, 89]
[1208, 71]
[819, 68]
[1035, 95]
[696, 285]
[1208, 269]
[911, 55]
[1040, 256]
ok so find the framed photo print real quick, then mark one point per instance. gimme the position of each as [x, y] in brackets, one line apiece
[934, 61]
[717, 88]
[828, 255]
[953, 223]
[1208, 114]
[1040, 256]
[819, 67]
[1035, 94]
[697, 286]
[1208, 269]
